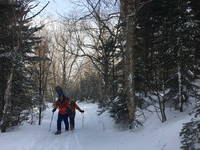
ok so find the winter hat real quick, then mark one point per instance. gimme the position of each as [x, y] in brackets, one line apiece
[59, 91]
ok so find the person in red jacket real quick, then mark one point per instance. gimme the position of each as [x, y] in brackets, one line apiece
[62, 104]
[73, 107]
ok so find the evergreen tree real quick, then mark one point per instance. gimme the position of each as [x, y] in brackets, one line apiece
[167, 36]
[17, 45]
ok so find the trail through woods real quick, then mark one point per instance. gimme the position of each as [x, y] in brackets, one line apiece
[95, 132]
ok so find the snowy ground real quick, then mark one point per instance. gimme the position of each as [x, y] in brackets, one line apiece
[95, 132]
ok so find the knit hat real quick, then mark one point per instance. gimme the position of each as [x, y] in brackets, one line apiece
[59, 91]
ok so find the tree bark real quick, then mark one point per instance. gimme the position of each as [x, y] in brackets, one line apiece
[180, 91]
[7, 106]
[128, 11]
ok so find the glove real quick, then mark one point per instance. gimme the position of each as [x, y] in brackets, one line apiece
[54, 110]
[82, 111]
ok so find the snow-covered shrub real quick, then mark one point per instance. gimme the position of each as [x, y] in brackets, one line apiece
[190, 136]
[118, 109]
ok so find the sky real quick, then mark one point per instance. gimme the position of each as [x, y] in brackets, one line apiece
[55, 7]
[54, 10]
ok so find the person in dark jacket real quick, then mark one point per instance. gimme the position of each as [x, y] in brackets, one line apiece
[73, 107]
[62, 104]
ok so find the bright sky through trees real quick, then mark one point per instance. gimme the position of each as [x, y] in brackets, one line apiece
[55, 7]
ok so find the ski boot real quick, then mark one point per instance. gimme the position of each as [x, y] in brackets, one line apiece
[57, 132]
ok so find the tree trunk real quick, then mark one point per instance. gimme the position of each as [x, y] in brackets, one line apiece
[64, 69]
[7, 106]
[180, 100]
[128, 10]
[106, 90]
[40, 93]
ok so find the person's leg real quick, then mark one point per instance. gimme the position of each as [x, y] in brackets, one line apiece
[65, 118]
[59, 124]
[72, 121]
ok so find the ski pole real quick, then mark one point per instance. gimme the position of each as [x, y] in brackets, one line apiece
[51, 121]
[83, 120]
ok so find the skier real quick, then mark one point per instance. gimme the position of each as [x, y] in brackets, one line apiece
[64, 110]
[73, 107]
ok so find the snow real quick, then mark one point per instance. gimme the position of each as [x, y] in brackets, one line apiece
[95, 132]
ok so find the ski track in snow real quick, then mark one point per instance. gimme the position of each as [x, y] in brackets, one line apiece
[66, 141]
[97, 133]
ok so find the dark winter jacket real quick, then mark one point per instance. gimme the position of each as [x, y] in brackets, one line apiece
[74, 106]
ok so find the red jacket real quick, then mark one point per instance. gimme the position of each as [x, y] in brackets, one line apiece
[63, 106]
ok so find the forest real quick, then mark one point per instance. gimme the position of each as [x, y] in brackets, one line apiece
[127, 56]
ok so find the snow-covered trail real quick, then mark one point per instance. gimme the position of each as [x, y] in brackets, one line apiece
[95, 132]
[89, 131]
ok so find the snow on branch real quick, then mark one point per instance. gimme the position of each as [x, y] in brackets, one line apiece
[7, 54]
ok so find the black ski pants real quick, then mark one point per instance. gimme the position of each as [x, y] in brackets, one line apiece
[72, 120]
[60, 119]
